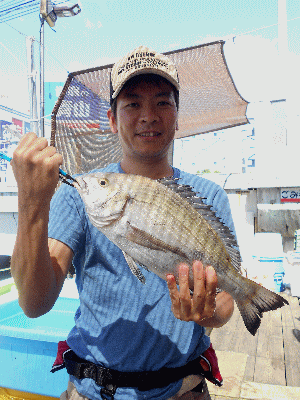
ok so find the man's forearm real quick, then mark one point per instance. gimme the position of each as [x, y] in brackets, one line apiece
[31, 264]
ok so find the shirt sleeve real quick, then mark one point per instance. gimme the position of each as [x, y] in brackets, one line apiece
[67, 219]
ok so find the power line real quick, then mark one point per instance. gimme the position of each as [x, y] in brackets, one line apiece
[37, 41]
[49, 53]
[12, 54]
[15, 8]
[264, 27]
[11, 17]
[16, 5]
[12, 27]
[12, 9]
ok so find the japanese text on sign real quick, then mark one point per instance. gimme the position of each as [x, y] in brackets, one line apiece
[290, 195]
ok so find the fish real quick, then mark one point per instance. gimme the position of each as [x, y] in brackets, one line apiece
[159, 224]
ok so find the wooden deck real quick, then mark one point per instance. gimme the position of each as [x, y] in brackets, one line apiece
[266, 366]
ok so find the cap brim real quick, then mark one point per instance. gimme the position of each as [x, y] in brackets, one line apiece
[153, 71]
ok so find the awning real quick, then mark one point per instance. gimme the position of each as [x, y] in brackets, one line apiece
[209, 101]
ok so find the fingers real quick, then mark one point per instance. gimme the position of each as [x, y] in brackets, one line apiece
[199, 306]
[199, 293]
[174, 295]
[184, 292]
[211, 287]
[36, 167]
[34, 150]
[29, 144]
[181, 300]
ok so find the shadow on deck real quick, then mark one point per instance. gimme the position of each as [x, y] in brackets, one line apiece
[266, 366]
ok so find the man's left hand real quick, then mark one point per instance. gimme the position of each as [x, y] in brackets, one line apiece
[201, 306]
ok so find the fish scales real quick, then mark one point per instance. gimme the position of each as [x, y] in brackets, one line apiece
[160, 224]
[175, 221]
[150, 200]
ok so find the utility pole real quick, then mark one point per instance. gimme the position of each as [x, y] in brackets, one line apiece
[49, 13]
[31, 73]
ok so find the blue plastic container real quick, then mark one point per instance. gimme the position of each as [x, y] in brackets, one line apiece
[278, 277]
[278, 282]
[28, 347]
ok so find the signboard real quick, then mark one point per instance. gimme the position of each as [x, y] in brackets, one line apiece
[290, 195]
[3, 165]
[2, 125]
[19, 124]
[86, 108]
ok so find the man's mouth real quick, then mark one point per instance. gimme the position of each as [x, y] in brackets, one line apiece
[149, 134]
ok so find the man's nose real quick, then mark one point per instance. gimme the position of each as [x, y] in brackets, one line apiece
[149, 113]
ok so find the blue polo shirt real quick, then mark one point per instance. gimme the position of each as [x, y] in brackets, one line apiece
[121, 323]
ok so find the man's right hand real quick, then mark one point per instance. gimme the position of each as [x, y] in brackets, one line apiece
[36, 168]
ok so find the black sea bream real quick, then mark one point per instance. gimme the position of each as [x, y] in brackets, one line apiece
[161, 224]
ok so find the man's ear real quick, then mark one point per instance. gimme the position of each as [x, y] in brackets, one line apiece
[112, 121]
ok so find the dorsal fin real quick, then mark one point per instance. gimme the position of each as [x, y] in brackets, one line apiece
[206, 211]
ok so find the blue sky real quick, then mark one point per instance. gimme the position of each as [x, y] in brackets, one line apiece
[106, 30]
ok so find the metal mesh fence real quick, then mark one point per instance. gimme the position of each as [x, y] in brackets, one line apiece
[209, 101]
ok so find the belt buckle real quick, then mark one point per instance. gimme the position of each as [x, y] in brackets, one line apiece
[104, 378]
[108, 391]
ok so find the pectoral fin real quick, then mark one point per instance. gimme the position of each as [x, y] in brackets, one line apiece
[144, 239]
[134, 268]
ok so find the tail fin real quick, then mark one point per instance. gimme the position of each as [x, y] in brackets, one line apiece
[252, 308]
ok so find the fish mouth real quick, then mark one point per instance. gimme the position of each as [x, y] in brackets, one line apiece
[77, 184]
[81, 184]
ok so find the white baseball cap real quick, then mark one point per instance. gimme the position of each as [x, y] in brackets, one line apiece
[142, 60]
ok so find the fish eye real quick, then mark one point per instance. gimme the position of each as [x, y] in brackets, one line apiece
[102, 182]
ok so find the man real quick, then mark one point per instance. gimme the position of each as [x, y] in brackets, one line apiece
[121, 325]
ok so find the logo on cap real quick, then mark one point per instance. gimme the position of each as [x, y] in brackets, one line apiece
[142, 59]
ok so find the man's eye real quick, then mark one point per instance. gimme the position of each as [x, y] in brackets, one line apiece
[132, 105]
[163, 103]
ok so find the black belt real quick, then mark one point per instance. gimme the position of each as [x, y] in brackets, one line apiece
[110, 379]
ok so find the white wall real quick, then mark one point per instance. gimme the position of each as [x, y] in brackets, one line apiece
[243, 217]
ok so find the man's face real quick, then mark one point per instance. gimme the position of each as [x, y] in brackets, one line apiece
[146, 120]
